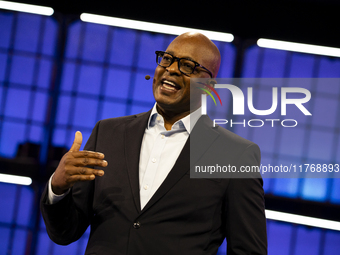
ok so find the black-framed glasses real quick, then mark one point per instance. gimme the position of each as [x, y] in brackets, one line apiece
[185, 65]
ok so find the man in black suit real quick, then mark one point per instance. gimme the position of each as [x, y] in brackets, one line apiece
[146, 203]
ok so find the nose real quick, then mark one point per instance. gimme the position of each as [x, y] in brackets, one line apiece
[174, 67]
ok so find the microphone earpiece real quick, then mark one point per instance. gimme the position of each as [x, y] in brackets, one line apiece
[147, 77]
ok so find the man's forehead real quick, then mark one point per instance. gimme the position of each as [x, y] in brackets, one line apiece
[197, 47]
[187, 48]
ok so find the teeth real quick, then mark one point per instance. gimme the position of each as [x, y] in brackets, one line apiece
[170, 83]
[169, 87]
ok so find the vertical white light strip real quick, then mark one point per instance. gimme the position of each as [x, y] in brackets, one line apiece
[204, 104]
[299, 47]
[35, 9]
[14, 179]
[303, 220]
[152, 27]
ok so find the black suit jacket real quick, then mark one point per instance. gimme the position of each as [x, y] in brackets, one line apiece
[184, 216]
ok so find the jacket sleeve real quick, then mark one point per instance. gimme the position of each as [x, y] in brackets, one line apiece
[67, 220]
[245, 210]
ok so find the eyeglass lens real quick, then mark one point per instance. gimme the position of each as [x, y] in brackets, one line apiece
[185, 65]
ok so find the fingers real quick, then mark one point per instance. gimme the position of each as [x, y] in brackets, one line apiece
[82, 173]
[85, 161]
[78, 139]
[73, 166]
[79, 178]
[77, 174]
[61, 183]
[88, 154]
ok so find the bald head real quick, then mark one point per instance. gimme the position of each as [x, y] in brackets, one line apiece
[197, 44]
[172, 87]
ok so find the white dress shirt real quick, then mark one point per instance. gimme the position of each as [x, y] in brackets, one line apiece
[159, 152]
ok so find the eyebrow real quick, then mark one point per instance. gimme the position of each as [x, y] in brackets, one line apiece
[171, 52]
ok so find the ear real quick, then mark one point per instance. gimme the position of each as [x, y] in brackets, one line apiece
[212, 82]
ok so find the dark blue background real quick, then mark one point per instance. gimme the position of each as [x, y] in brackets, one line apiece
[103, 76]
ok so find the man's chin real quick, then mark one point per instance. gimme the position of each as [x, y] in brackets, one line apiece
[166, 99]
[167, 104]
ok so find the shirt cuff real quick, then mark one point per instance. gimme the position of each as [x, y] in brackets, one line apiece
[53, 198]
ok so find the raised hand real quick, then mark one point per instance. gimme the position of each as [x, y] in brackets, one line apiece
[73, 166]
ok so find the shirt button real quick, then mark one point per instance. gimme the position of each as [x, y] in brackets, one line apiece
[162, 136]
[153, 160]
[146, 187]
[136, 225]
[158, 118]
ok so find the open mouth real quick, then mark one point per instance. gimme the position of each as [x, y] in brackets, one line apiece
[168, 85]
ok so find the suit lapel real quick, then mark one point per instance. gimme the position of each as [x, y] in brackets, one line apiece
[134, 133]
[182, 165]
[202, 137]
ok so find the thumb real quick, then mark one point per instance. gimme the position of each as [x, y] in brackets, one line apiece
[78, 139]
